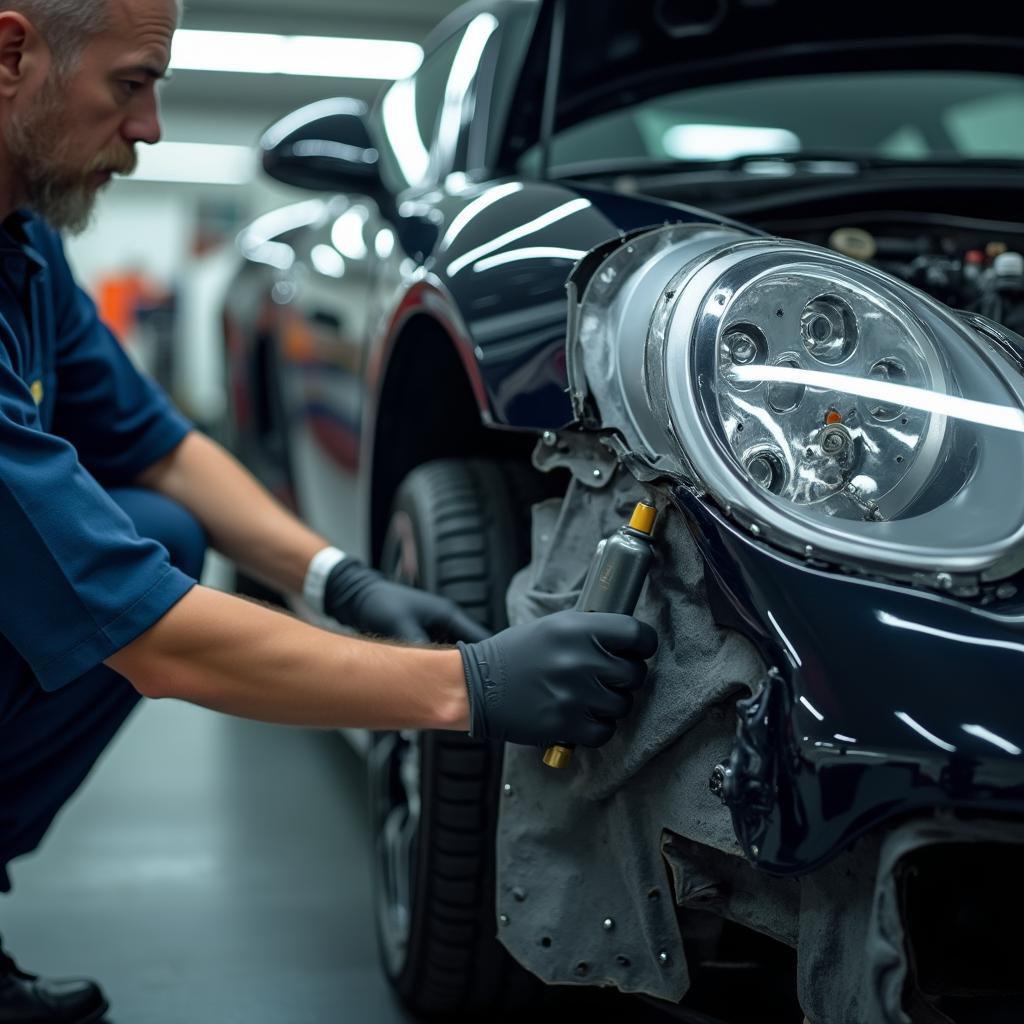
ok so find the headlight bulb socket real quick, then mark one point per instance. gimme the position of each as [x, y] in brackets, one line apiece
[829, 328]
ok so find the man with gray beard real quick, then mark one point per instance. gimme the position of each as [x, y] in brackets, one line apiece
[108, 498]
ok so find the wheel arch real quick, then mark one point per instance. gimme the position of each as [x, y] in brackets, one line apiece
[425, 382]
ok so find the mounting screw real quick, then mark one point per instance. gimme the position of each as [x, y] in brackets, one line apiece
[944, 580]
[598, 474]
[503, 920]
[809, 551]
[755, 529]
[581, 970]
[508, 789]
[519, 895]
[755, 851]
[1005, 591]
[716, 783]
[609, 924]
[663, 958]
[550, 438]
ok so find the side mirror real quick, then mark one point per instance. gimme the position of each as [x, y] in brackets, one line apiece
[324, 147]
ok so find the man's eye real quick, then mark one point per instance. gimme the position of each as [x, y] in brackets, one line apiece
[130, 86]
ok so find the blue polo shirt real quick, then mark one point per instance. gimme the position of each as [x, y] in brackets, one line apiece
[78, 583]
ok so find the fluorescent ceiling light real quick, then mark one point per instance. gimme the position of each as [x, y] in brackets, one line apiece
[320, 56]
[199, 163]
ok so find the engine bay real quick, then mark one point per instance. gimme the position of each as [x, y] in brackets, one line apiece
[968, 263]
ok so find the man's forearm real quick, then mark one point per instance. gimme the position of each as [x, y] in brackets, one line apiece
[234, 656]
[243, 520]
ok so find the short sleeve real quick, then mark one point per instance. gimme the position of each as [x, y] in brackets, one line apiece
[117, 419]
[79, 582]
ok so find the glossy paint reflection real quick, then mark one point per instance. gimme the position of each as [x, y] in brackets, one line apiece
[894, 699]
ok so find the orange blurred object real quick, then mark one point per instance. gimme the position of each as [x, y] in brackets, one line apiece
[833, 417]
[119, 298]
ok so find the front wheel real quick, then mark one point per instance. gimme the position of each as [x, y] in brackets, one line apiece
[458, 528]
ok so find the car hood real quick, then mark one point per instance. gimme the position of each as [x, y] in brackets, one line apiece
[616, 53]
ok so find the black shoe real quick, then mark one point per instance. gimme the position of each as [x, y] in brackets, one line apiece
[26, 999]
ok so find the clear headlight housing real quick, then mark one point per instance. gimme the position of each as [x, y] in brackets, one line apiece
[827, 407]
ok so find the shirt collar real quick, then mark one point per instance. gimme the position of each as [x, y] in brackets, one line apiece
[15, 242]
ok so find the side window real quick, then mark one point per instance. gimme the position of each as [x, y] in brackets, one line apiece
[407, 117]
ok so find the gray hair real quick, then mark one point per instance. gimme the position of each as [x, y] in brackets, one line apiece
[66, 25]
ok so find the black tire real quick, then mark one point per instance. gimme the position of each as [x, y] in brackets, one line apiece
[458, 528]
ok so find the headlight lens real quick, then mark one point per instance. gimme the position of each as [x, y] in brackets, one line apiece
[851, 456]
[831, 409]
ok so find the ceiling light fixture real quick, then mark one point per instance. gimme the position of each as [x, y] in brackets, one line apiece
[318, 56]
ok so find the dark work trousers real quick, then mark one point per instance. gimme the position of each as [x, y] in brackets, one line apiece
[50, 741]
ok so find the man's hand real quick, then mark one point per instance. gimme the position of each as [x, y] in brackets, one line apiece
[363, 598]
[565, 678]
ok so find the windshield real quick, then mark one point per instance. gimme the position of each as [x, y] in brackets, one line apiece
[905, 115]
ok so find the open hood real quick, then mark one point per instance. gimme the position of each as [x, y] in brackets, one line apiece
[616, 53]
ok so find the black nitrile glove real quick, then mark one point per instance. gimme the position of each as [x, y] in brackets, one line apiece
[363, 598]
[565, 678]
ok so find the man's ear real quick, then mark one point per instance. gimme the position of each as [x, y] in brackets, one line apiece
[22, 53]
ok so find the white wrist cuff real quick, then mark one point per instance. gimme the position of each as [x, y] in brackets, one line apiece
[320, 567]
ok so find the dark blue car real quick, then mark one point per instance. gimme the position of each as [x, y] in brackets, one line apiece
[760, 264]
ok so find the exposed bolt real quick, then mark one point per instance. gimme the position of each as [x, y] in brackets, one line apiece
[944, 580]
[503, 920]
[609, 924]
[755, 529]
[663, 958]
[519, 895]
[717, 781]
[809, 550]
[598, 474]
[550, 438]
[755, 851]
[1006, 590]
[508, 789]
[581, 970]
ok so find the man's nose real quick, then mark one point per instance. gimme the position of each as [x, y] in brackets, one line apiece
[143, 125]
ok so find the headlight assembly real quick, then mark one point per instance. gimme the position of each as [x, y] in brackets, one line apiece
[829, 408]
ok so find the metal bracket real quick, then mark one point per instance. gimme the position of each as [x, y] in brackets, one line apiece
[587, 456]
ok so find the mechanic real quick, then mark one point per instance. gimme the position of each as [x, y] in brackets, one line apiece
[108, 499]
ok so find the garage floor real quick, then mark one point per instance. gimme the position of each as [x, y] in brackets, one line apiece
[211, 870]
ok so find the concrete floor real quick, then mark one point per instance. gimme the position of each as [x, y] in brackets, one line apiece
[211, 870]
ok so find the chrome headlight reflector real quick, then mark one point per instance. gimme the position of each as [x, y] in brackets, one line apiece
[831, 408]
